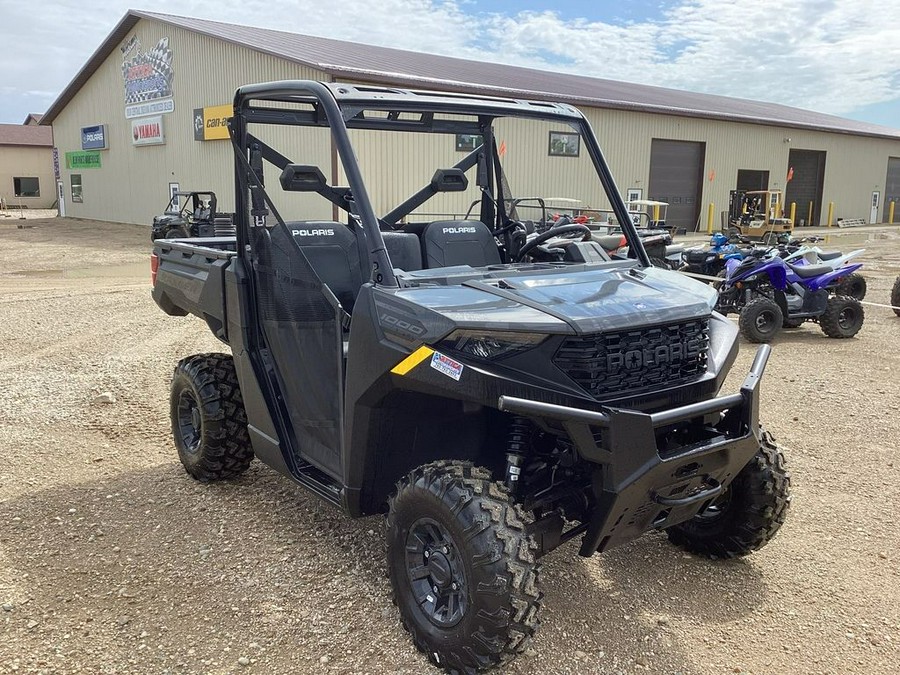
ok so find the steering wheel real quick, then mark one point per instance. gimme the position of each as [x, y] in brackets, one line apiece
[556, 231]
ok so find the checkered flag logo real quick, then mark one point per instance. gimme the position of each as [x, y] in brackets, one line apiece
[149, 75]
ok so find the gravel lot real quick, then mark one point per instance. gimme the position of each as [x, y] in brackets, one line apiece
[113, 561]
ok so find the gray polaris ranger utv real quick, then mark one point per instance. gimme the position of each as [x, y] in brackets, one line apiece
[495, 386]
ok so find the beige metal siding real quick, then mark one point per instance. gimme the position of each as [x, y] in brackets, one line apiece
[132, 184]
[855, 165]
[30, 162]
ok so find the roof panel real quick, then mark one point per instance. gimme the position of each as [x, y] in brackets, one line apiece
[413, 69]
[26, 134]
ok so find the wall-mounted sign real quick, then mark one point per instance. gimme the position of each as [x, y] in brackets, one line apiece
[94, 138]
[148, 131]
[149, 78]
[83, 160]
[56, 163]
[212, 123]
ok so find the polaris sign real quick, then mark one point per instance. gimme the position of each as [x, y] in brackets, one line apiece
[94, 138]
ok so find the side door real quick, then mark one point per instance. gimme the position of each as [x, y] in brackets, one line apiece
[300, 322]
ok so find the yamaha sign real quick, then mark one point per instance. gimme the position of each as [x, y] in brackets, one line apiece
[94, 138]
[148, 131]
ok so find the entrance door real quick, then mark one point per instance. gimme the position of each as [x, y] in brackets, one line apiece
[676, 177]
[873, 214]
[891, 187]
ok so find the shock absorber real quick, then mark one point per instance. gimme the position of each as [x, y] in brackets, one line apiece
[516, 446]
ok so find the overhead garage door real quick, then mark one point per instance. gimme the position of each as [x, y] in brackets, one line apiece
[892, 188]
[805, 187]
[676, 177]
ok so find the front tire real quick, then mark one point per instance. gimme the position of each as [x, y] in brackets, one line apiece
[852, 285]
[177, 233]
[746, 516]
[208, 418]
[462, 566]
[843, 317]
[760, 320]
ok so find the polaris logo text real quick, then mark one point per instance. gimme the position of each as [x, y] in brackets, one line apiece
[313, 233]
[635, 359]
[459, 230]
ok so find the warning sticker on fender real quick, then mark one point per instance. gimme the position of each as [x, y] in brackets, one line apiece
[447, 366]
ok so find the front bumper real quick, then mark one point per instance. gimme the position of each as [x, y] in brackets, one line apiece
[637, 485]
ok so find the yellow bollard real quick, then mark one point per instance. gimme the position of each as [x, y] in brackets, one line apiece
[830, 212]
[891, 213]
[793, 212]
[656, 213]
[709, 218]
[809, 217]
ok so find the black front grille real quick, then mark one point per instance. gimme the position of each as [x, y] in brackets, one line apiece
[629, 361]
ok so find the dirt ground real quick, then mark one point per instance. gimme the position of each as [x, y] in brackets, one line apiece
[113, 561]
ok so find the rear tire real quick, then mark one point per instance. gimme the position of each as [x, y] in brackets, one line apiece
[760, 320]
[209, 423]
[462, 567]
[895, 297]
[852, 285]
[843, 317]
[747, 515]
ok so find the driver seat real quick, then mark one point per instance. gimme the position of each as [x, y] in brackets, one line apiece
[447, 243]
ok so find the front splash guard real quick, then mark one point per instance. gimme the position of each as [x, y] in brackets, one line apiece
[638, 487]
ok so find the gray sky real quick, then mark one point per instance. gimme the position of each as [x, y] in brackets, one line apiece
[839, 57]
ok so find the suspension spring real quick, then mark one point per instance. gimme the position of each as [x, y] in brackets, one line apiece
[516, 446]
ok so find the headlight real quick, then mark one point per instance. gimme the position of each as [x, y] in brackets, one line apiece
[490, 344]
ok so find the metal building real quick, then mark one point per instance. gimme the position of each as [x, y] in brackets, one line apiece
[145, 115]
[26, 166]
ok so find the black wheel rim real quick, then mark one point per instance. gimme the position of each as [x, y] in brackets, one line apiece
[717, 507]
[847, 318]
[436, 573]
[765, 321]
[190, 422]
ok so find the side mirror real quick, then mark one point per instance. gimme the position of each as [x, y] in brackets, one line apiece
[449, 180]
[302, 178]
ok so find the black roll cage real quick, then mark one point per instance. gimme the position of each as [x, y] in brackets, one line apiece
[341, 107]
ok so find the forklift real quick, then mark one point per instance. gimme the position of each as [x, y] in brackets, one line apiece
[756, 215]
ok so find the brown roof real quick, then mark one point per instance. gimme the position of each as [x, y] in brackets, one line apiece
[356, 61]
[25, 134]
[34, 118]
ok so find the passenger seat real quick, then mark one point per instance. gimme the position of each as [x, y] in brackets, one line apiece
[446, 243]
[331, 249]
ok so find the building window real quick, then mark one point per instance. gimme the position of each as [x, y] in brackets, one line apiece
[468, 142]
[76, 188]
[27, 187]
[564, 144]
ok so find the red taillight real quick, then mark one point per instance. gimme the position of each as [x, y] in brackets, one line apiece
[154, 268]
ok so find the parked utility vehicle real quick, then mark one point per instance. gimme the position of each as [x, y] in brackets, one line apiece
[496, 392]
[191, 214]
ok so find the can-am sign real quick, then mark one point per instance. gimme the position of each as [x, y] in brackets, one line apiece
[148, 131]
[94, 138]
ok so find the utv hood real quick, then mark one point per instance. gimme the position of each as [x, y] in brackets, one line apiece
[584, 301]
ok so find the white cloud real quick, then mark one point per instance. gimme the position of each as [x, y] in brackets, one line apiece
[824, 55]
